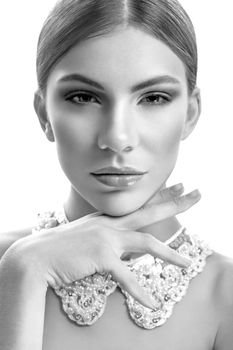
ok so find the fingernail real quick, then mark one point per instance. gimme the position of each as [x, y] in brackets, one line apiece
[153, 305]
[195, 194]
[187, 262]
[177, 187]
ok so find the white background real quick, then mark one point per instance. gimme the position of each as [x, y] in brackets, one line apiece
[31, 178]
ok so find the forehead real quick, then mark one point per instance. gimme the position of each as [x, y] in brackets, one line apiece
[119, 59]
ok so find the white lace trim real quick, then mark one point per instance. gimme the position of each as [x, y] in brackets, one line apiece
[84, 301]
[164, 282]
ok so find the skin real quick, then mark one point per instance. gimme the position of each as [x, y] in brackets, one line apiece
[153, 126]
[154, 132]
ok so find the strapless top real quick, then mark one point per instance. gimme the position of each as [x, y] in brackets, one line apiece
[84, 300]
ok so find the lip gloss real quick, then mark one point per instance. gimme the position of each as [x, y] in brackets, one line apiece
[117, 180]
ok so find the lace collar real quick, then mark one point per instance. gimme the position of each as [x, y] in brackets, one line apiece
[84, 300]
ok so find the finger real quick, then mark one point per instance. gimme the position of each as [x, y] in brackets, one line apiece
[153, 213]
[167, 194]
[163, 195]
[145, 243]
[128, 282]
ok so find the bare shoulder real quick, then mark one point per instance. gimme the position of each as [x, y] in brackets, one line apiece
[18, 233]
[216, 280]
[221, 269]
[220, 263]
[9, 237]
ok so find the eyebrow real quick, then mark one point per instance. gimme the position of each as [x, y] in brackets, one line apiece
[152, 81]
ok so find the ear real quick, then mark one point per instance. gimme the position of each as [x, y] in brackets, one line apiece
[40, 109]
[193, 113]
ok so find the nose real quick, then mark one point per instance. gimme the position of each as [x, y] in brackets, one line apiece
[118, 131]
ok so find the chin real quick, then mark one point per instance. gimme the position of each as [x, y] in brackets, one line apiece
[114, 208]
[120, 203]
[117, 212]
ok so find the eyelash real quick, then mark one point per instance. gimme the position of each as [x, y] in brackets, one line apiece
[166, 98]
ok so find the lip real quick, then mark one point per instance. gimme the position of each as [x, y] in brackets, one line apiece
[118, 171]
[118, 180]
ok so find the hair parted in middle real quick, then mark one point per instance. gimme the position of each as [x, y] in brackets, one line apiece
[73, 21]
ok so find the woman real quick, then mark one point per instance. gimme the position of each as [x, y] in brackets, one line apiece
[117, 93]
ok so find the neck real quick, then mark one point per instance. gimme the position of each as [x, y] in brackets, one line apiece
[76, 207]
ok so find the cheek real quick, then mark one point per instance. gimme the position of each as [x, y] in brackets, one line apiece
[171, 140]
[74, 136]
[163, 139]
[74, 140]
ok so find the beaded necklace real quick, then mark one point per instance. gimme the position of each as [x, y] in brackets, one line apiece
[84, 300]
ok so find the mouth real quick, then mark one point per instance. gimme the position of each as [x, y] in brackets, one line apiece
[118, 171]
[118, 177]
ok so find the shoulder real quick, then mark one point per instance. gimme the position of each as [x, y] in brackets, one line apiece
[220, 263]
[8, 238]
[216, 281]
[219, 272]
[220, 267]
[17, 233]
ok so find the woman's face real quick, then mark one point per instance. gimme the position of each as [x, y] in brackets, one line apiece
[136, 127]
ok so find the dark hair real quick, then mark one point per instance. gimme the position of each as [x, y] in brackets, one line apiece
[72, 21]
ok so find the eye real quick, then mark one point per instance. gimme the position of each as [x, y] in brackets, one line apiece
[156, 99]
[81, 98]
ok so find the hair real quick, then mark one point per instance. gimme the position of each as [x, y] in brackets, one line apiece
[72, 21]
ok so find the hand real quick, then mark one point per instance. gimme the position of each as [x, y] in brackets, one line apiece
[96, 243]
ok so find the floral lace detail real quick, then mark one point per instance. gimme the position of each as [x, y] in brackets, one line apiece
[84, 300]
[165, 282]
